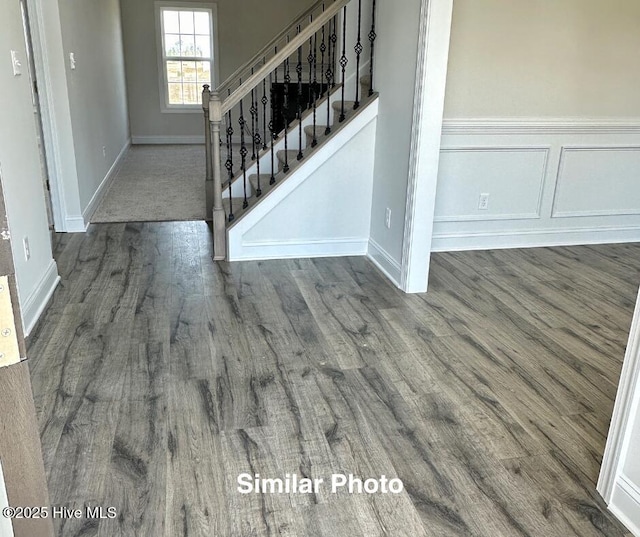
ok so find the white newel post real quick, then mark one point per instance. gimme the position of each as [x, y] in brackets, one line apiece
[219, 218]
[206, 98]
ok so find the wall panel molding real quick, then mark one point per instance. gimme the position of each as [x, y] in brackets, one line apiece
[562, 179]
[544, 126]
[501, 150]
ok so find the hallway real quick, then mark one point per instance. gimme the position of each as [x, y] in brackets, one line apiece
[156, 183]
[160, 376]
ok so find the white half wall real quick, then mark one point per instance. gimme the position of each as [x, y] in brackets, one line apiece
[328, 198]
[619, 482]
[550, 182]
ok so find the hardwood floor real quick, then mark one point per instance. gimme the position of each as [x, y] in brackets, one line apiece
[160, 376]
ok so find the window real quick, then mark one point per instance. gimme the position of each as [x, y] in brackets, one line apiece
[186, 53]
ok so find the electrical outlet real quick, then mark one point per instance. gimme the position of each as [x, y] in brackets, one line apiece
[27, 248]
[387, 218]
[72, 61]
[104, 151]
[484, 202]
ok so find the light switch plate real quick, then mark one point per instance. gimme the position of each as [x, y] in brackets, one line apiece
[72, 61]
[17, 64]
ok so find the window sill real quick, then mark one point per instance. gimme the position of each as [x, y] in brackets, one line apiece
[195, 110]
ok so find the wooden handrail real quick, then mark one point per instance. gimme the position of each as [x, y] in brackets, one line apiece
[269, 48]
[296, 42]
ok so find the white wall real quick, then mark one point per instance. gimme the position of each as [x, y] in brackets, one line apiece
[91, 30]
[518, 58]
[21, 174]
[244, 27]
[542, 114]
[395, 77]
[84, 109]
[619, 481]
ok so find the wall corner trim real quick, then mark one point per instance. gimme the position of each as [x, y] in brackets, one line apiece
[622, 498]
[35, 304]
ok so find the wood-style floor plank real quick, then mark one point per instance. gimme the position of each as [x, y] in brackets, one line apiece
[160, 376]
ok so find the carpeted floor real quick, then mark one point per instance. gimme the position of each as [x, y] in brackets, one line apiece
[157, 183]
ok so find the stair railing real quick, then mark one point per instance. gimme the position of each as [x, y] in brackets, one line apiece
[319, 36]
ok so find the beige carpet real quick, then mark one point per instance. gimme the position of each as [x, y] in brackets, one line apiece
[157, 183]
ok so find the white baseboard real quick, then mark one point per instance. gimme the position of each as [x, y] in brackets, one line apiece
[91, 208]
[168, 140]
[533, 238]
[385, 262]
[625, 504]
[258, 251]
[74, 224]
[37, 301]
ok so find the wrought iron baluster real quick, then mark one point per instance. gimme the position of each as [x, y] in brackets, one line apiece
[285, 110]
[229, 163]
[334, 42]
[343, 60]
[329, 76]
[265, 101]
[243, 154]
[257, 141]
[272, 180]
[323, 49]
[314, 86]
[310, 60]
[299, 112]
[254, 121]
[358, 50]
[372, 40]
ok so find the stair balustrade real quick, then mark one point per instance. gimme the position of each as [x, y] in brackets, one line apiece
[282, 113]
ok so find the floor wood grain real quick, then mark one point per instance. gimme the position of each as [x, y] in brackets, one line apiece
[160, 376]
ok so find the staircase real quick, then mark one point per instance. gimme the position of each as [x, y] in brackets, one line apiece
[310, 80]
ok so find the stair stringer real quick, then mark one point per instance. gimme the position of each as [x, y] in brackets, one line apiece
[322, 209]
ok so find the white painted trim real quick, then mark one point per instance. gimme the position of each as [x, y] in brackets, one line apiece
[546, 149]
[504, 126]
[625, 504]
[101, 191]
[74, 224]
[424, 157]
[263, 250]
[168, 140]
[624, 413]
[577, 149]
[34, 305]
[6, 525]
[385, 263]
[42, 61]
[496, 240]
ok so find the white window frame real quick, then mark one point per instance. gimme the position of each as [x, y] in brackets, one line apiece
[177, 5]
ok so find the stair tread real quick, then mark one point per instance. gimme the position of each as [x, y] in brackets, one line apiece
[348, 105]
[319, 130]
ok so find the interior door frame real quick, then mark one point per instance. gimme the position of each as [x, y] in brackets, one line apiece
[25, 480]
[50, 139]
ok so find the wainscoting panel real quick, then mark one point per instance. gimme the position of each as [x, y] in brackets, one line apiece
[550, 182]
[598, 181]
[513, 176]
